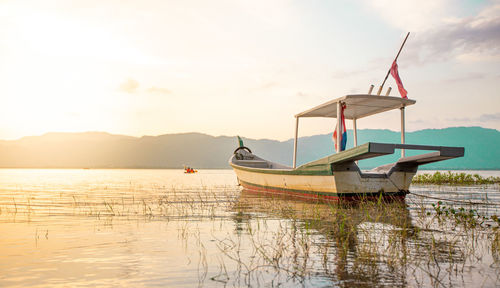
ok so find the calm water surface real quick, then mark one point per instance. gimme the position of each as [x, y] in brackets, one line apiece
[166, 228]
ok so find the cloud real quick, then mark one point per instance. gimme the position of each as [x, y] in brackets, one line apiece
[484, 118]
[474, 38]
[351, 73]
[159, 90]
[425, 123]
[418, 121]
[265, 85]
[466, 77]
[301, 94]
[369, 67]
[461, 119]
[410, 15]
[438, 35]
[129, 86]
[489, 117]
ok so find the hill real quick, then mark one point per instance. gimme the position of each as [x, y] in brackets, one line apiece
[103, 150]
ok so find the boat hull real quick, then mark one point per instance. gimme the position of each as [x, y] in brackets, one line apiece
[338, 176]
[338, 186]
[335, 197]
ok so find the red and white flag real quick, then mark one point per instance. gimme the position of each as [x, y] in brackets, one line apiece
[395, 74]
[343, 134]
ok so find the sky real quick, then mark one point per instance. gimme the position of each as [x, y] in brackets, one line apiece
[233, 67]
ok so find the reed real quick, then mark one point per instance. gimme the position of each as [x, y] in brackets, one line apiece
[368, 242]
[450, 178]
[265, 240]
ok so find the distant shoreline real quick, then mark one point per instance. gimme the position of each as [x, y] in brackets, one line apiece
[228, 168]
[171, 151]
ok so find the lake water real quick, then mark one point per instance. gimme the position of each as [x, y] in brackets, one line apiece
[141, 228]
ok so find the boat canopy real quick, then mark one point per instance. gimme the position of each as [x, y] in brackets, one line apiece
[357, 106]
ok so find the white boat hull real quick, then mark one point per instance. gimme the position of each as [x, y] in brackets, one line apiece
[337, 176]
[340, 185]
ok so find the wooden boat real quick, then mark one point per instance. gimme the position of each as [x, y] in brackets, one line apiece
[189, 170]
[338, 177]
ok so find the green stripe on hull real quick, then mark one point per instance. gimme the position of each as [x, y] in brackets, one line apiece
[326, 171]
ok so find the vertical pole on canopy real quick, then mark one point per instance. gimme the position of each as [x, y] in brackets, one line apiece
[339, 121]
[395, 59]
[355, 136]
[402, 130]
[355, 130]
[370, 90]
[295, 142]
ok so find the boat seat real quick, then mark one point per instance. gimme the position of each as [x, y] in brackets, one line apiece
[368, 174]
[382, 169]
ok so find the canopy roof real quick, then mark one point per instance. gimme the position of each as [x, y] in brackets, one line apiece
[357, 106]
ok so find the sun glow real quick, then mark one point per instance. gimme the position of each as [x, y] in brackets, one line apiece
[206, 67]
[60, 75]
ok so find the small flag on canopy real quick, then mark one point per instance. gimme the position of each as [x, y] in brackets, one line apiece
[395, 74]
[343, 136]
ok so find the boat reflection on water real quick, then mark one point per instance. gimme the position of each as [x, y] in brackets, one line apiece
[364, 243]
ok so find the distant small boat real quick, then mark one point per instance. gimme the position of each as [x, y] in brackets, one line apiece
[189, 170]
[338, 177]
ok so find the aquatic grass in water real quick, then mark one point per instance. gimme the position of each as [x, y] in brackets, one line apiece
[136, 227]
[449, 177]
[371, 243]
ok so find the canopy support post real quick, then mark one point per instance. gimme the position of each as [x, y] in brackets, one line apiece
[355, 134]
[339, 120]
[355, 130]
[402, 130]
[295, 142]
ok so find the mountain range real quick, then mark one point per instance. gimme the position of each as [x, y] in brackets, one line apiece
[104, 150]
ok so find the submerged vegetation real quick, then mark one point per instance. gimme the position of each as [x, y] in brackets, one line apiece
[440, 178]
[367, 244]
